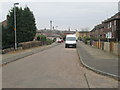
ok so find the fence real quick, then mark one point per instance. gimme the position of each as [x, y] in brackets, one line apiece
[112, 47]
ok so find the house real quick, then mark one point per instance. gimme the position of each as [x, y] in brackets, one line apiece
[83, 34]
[51, 34]
[109, 28]
[98, 31]
[4, 23]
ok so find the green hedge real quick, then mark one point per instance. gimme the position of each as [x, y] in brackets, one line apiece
[49, 41]
[41, 38]
[44, 39]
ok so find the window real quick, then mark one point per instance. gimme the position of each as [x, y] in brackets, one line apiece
[114, 22]
[70, 38]
[110, 24]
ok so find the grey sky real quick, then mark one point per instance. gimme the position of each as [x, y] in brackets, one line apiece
[75, 15]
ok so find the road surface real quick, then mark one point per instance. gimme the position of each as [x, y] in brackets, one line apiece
[57, 67]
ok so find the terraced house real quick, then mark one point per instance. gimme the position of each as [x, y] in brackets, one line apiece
[109, 28]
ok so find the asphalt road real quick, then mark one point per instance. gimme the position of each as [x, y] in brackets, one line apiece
[56, 67]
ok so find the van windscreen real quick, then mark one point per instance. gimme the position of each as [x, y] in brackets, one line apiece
[70, 39]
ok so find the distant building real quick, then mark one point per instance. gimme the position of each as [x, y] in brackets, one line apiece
[77, 34]
[68, 32]
[83, 34]
[3, 23]
[51, 34]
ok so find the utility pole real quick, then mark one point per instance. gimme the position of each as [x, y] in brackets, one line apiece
[15, 28]
[51, 25]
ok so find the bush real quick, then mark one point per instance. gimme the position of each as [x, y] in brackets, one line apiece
[79, 38]
[41, 38]
[38, 38]
[86, 39]
[49, 41]
[54, 39]
[44, 40]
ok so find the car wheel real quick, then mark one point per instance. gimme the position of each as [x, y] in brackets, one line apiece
[65, 46]
[75, 46]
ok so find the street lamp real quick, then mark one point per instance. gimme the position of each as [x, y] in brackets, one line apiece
[15, 24]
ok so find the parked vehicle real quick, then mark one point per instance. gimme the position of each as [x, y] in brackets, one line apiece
[70, 41]
[59, 40]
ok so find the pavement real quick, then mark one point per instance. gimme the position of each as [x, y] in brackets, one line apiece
[13, 56]
[98, 60]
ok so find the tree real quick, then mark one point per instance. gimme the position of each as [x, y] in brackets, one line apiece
[26, 27]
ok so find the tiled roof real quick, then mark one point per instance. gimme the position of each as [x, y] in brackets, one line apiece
[115, 17]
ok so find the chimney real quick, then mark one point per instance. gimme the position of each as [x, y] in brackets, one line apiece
[7, 17]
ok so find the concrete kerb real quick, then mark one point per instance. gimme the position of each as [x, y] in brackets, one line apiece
[96, 70]
[28, 54]
[15, 58]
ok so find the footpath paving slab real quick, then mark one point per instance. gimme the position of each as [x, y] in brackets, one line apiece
[98, 60]
[13, 56]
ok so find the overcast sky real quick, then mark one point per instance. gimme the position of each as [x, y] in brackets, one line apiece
[75, 15]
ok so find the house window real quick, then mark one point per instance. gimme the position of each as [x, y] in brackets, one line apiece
[114, 22]
[110, 24]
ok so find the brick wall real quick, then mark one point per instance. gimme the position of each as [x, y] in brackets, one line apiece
[112, 47]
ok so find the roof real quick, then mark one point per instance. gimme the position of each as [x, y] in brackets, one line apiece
[84, 31]
[115, 17]
[4, 23]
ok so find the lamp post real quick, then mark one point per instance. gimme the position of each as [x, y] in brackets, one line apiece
[15, 24]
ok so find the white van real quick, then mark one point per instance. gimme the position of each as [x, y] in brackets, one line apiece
[70, 41]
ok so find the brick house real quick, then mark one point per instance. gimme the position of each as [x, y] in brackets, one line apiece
[4, 23]
[98, 31]
[83, 34]
[109, 28]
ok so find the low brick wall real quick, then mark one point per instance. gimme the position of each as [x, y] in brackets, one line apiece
[112, 47]
[7, 50]
[107, 46]
[10, 49]
[116, 49]
[26, 45]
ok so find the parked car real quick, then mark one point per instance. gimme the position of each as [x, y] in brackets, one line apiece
[70, 41]
[59, 40]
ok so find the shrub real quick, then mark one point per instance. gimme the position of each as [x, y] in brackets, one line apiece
[41, 38]
[38, 38]
[49, 41]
